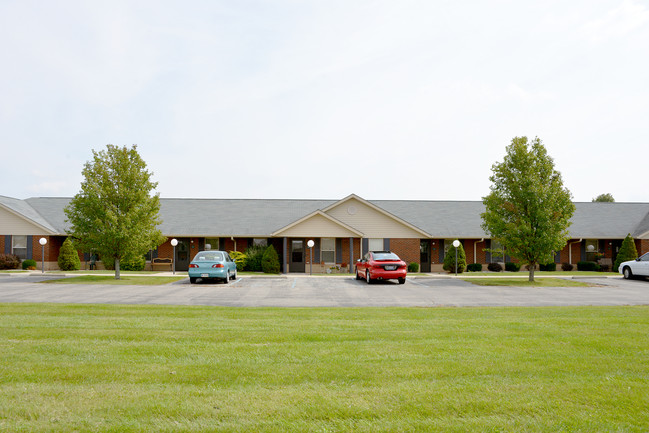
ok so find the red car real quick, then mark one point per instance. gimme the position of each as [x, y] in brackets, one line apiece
[381, 265]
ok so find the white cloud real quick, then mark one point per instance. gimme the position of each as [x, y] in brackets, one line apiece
[618, 22]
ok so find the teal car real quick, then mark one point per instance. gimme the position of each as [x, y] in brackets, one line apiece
[212, 265]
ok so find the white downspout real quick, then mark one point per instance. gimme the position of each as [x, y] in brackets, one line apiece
[475, 250]
[570, 249]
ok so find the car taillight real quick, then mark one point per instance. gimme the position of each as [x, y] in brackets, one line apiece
[191, 265]
[218, 265]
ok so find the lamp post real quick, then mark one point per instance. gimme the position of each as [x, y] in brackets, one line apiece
[42, 241]
[456, 244]
[310, 244]
[174, 242]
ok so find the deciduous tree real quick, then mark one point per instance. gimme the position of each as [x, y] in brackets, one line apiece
[528, 209]
[115, 213]
[604, 198]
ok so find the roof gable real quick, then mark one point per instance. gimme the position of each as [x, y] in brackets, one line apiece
[319, 225]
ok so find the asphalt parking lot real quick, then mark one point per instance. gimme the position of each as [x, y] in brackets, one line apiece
[304, 291]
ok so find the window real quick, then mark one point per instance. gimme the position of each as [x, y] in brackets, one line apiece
[211, 243]
[328, 250]
[375, 244]
[19, 246]
[261, 242]
[592, 250]
[497, 252]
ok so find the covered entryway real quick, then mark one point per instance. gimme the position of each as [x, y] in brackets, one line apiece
[424, 255]
[296, 255]
[182, 254]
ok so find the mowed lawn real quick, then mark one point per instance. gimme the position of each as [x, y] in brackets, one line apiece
[116, 368]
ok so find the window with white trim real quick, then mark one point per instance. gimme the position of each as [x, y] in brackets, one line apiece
[263, 242]
[592, 250]
[375, 244]
[328, 250]
[19, 246]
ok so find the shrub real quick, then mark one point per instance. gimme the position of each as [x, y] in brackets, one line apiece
[548, 267]
[588, 266]
[567, 267]
[254, 254]
[239, 258]
[29, 264]
[474, 267]
[132, 263]
[270, 261]
[627, 252]
[413, 267]
[449, 259]
[495, 267]
[68, 257]
[9, 261]
[512, 267]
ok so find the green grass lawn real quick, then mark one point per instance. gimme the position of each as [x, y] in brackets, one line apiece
[116, 368]
[524, 282]
[124, 280]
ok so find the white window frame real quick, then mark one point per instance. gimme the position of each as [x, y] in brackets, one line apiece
[260, 241]
[330, 250]
[15, 247]
[375, 244]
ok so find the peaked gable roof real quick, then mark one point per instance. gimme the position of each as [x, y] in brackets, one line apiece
[22, 209]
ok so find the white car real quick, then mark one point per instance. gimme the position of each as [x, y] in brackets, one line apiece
[635, 268]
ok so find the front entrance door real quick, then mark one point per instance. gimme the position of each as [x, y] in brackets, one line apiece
[296, 260]
[424, 255]
[182, 254]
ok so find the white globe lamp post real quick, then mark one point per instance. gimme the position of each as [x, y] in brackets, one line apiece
[310, 244]
[174, 242]
[456, 244]
[42, 241]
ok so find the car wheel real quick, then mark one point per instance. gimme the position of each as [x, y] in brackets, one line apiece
[234, 277]
[402, 281]
[627, 273]
[226, 280]
[367, 276]
[358, 276]
[192, 280]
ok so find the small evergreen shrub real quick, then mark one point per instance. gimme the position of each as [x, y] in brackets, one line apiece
[68, 257]
[254, 254]
[474, 267]
[627, 252]
[29, 264]
[567, 267]
[270, 261]
[449, 259]
[512, 267]
[495, 267]
[551, 267]
[413, 267]
[587, 266]
[239, 258]
[134, 263]
[9, 261]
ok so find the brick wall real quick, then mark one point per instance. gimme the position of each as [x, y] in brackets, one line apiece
[406, 249]
[642, 245]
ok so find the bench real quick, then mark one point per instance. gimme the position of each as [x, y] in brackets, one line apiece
[606, 264]
[161, 264]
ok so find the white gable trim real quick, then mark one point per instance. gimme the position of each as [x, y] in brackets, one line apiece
[279, 232]
[39, 229]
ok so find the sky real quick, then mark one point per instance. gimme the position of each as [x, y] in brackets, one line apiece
[320, 99]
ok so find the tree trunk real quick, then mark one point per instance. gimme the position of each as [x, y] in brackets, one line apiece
[117, 269]
[532, 268]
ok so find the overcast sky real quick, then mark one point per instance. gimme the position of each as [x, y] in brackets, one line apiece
[322, 99]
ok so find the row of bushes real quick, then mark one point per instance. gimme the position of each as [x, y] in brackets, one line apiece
[551, 267]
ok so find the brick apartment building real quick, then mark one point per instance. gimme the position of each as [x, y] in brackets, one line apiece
[342, 230]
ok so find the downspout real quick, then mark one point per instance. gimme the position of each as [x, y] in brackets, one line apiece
[570, 249]
[235, 242]
[475, 250]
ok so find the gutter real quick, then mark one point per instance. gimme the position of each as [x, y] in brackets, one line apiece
[570, 249]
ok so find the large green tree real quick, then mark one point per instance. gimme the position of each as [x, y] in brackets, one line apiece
[604, 198]
[528, 209]
[115, 214]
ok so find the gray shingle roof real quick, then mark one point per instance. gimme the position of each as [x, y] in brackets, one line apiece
[259, 218]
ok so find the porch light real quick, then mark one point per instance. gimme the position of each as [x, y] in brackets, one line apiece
[42, 241]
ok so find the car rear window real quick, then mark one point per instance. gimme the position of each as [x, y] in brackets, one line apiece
[212, 257]
[385, 256]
